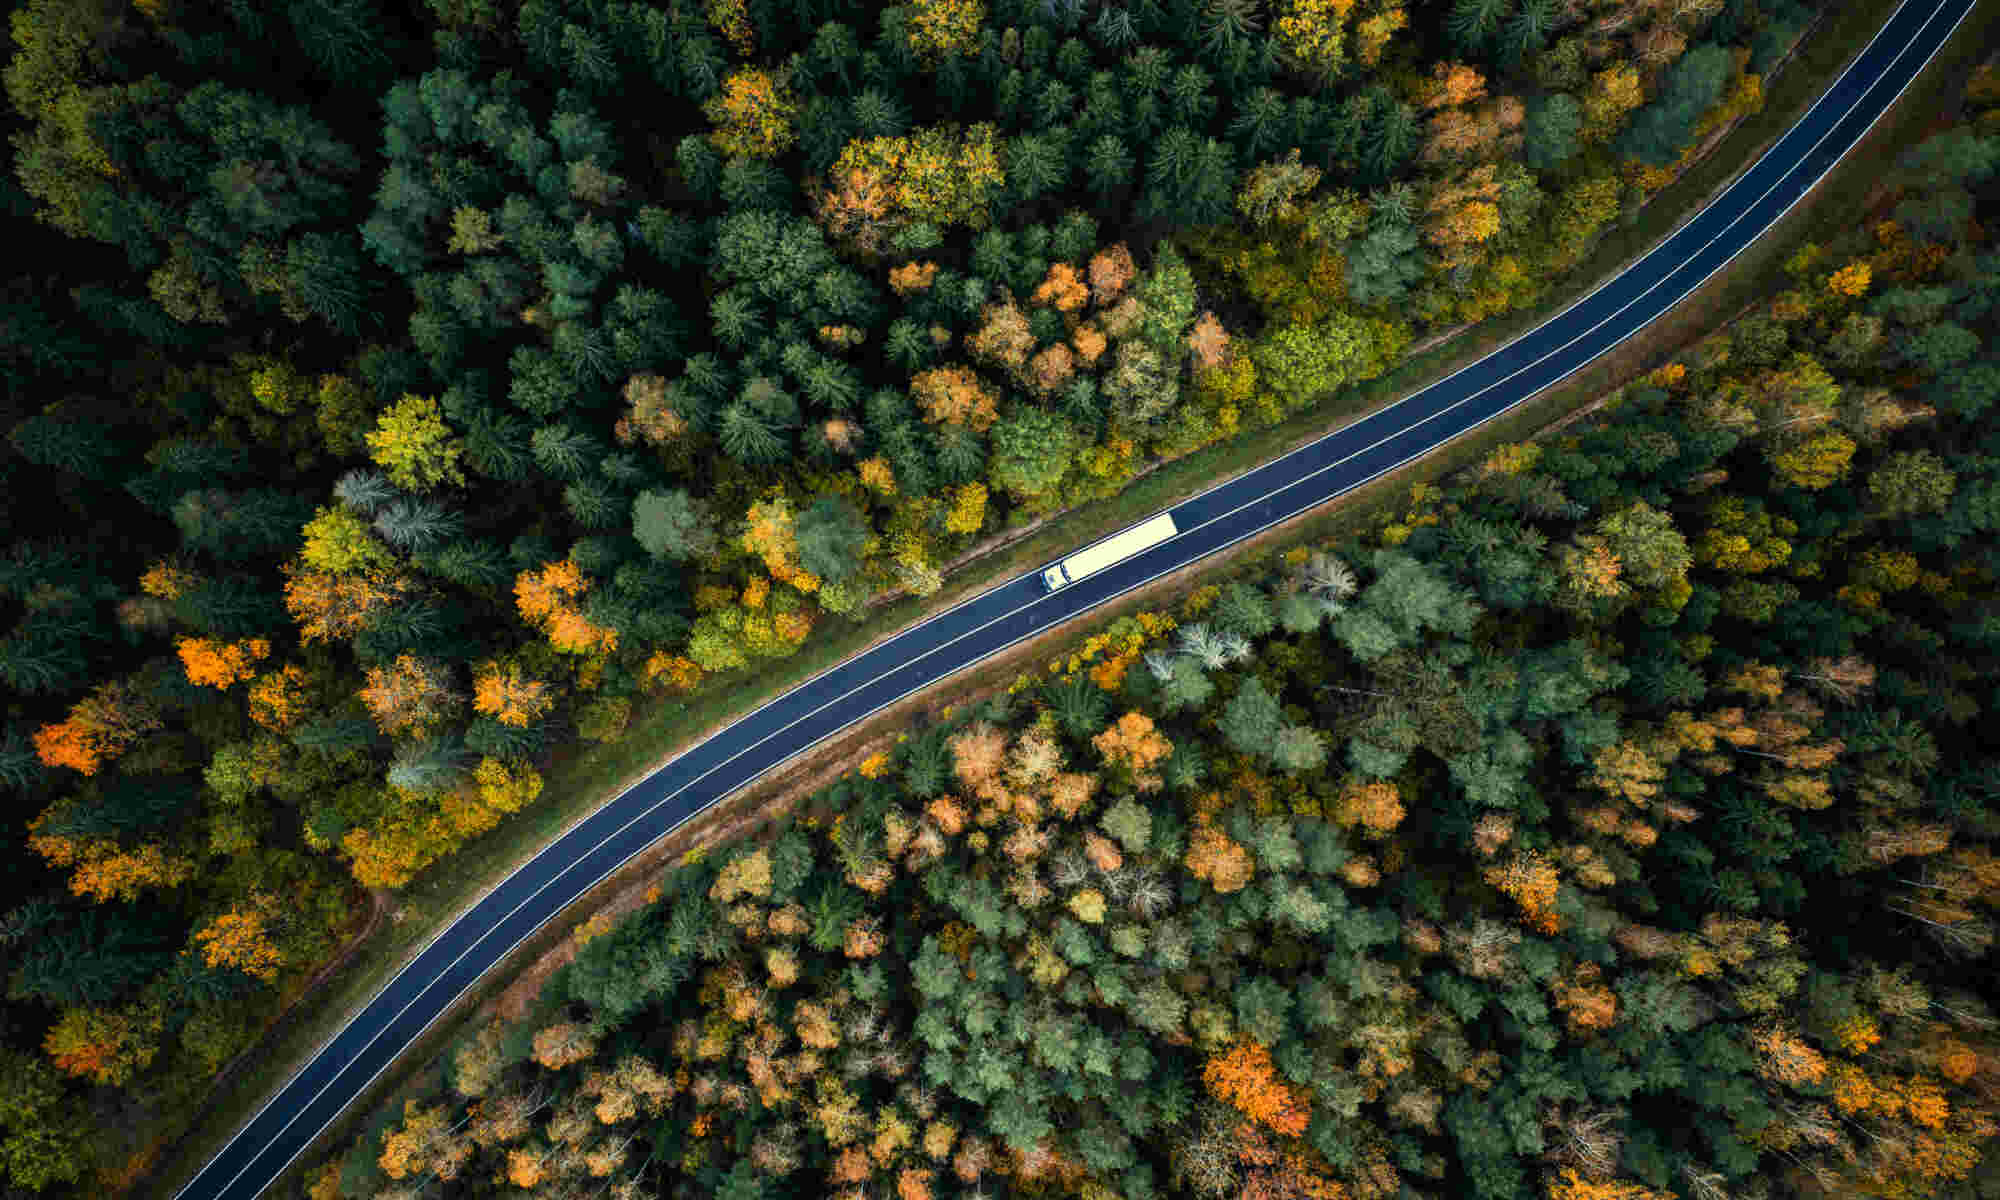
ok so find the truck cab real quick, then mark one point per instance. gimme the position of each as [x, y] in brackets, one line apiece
[1053, 578]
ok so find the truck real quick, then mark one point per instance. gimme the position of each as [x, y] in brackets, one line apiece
[1116, 548]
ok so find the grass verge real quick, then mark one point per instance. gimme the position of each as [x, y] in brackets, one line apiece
[581, 780]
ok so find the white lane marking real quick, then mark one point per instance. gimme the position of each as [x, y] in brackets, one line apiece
[1121, 592]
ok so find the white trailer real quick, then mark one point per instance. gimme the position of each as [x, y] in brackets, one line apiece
[1116, 548]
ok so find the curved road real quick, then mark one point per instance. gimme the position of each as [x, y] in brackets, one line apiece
[963, 635]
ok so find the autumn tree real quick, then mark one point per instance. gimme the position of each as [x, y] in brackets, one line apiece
[563, 1044]
[425, 1142]
[101, 726]
[941, 174]
[1133, 744]
[1244, 1077]
[213, 663]
[509, 695]
[1310, 36]
[1531, 881]
[412, 443]
[410, 694]
[940, 29]
[340, 540]
[104, 1046]
[955, 396]
[549, 597]
[753, 114]
[279, 699]
[1376, 807]
[1218, 860]
[240, 939]
[329, 606]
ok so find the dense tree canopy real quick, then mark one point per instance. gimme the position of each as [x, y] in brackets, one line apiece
[417, 389]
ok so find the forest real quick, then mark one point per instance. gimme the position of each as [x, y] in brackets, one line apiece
[412, 390]
[1615, 824]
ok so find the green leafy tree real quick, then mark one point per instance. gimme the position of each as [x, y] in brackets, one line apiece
[831, 535]
[1252, 719]
[1910, 482]
[673, 524]
[46, 1136]
[1032, 451]
[1551, 134]
[1650, 550]
[1303, 364]
[1691, 87]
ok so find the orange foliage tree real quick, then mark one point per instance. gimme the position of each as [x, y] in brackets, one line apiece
[1111, 270]
[410, 694]
[547, 597]
[1851, 280]
[1217, 860]
[1209, 341]
[911, 278]
[104, 870]
[241, 939]
[1531, 882]
[1376, 807]
[1784, 1057]
[1133, 743]
[328, 606]
[1062, 288]
[1568, 1185]
[101, 1045]
[562, 1044]
[1244, 1077]
[1452, 84]
[955, 396]
[101, 726]
[279, 698]
[505, 693]
[217, 664]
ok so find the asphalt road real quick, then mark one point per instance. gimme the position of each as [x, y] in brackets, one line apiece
[969, 632]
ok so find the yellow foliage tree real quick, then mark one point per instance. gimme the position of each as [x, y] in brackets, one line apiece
[1310, 36]
[1464, 212]
[940, 174]
[1612, 93]
[506, 787]
[940, 29]
[1851, 280]
[339, 540]
[967, 509]
[753, 114]
[412, 443]
[241, 939]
